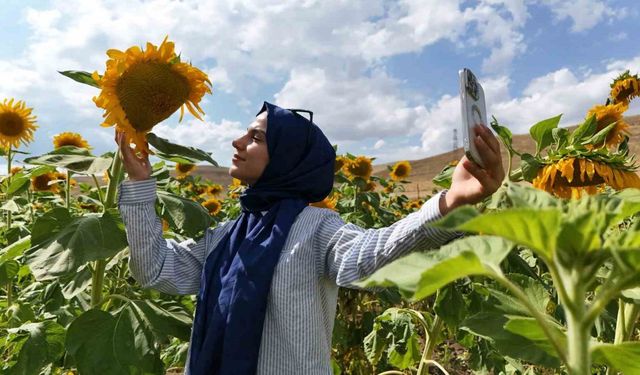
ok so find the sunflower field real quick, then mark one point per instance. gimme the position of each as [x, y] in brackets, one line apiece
[542, 278]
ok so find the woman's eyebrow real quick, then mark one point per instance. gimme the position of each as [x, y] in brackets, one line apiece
[250, 129]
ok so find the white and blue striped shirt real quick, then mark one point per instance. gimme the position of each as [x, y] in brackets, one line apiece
[321, 253]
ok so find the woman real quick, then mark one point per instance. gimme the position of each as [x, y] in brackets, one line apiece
[267, 282]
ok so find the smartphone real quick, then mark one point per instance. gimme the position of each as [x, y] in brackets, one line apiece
[474, 113]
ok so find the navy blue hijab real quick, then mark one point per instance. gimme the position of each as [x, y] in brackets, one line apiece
[236, 278]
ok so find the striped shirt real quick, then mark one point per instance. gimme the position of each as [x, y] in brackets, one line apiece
[321, 253]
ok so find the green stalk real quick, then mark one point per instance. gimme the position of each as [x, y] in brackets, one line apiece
[625, 324]
[100, 195]
[8, 184]
[115, 175]
[9, 286]
[430, 345]
[578, 334]
[67, 189]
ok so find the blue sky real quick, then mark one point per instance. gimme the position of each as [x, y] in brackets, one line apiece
[380, 76]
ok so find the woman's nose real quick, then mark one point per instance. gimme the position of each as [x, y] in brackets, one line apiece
[236, 143]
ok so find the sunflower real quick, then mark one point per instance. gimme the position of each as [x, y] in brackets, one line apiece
[341, 161]
[390, 188]
[17, 124]
[624, 88]
[400, 171]
[572, 177]
[15, 170]
[141, 88]
[328, 202]
[214, 189]
[45, 182]
[360, 166]
[414, 204]
[371, 186]
[184, 169]
[608, 114]
[70, 139]
[212, 205]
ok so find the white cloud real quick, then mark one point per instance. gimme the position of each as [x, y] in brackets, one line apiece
[584, 14]
[209, 136]
[352, 108]
[379, 144]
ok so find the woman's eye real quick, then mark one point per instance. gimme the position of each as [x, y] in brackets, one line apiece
[256, 138]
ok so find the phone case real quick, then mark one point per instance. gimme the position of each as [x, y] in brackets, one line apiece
[473, 112]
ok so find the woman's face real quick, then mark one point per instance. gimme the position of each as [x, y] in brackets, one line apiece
[251, 156]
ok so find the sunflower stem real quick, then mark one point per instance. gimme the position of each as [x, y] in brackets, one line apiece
[115, 175]
[8, 184]
[100, 195]
[67, 189]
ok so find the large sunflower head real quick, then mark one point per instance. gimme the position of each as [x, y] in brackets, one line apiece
[141, 88]
[360, 166]
[17, 124]
[608, 114]
[573, 177]
[624, 88]
[213, 205]
[45, 182]
[184, 169]
[341, 161]
[70, 139]
[400, 170]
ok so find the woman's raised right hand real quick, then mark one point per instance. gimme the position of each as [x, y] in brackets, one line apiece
[138, 168]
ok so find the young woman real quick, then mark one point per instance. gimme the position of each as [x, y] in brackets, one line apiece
[267, 282]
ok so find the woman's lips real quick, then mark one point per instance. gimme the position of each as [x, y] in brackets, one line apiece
[236, 158]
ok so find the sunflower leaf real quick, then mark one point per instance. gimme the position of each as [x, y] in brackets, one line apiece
[530, 166]
[504, 134]
[586, 129]
[78, 160]
[443, 179]
[169, 150]
[600, 136]
[542, 132]
[80, 76]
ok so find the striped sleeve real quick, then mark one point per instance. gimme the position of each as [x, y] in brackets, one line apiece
[351, 253]
[155, 262]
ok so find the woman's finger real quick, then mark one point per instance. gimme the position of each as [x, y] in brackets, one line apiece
[486, 153]
[489, 138]
[477, 172]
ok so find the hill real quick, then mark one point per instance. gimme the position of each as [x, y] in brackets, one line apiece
[423, 170]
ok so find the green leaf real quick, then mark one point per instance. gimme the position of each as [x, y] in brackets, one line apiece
[10, 206]
[536, 229]
[585, 130]
[542, 132]
[76, 283]
[443, 179]
[490, 325]
[184, 214]
[504, 134]
[170, 150]
[450, 306]
[529, 328]
[624, 357]
[560, 137]
[20, 181]
[15, 249]
[50, 223]
[8, 270]
[80, 76]
[41, 343]
[419, 275]
[97, 347]
[393, 333]
[82, 240]
[600, 136]
[529, 166]
[78, 160]
[165, 322]
[528, 197]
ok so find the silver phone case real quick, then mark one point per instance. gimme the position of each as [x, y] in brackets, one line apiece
[473, 112]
